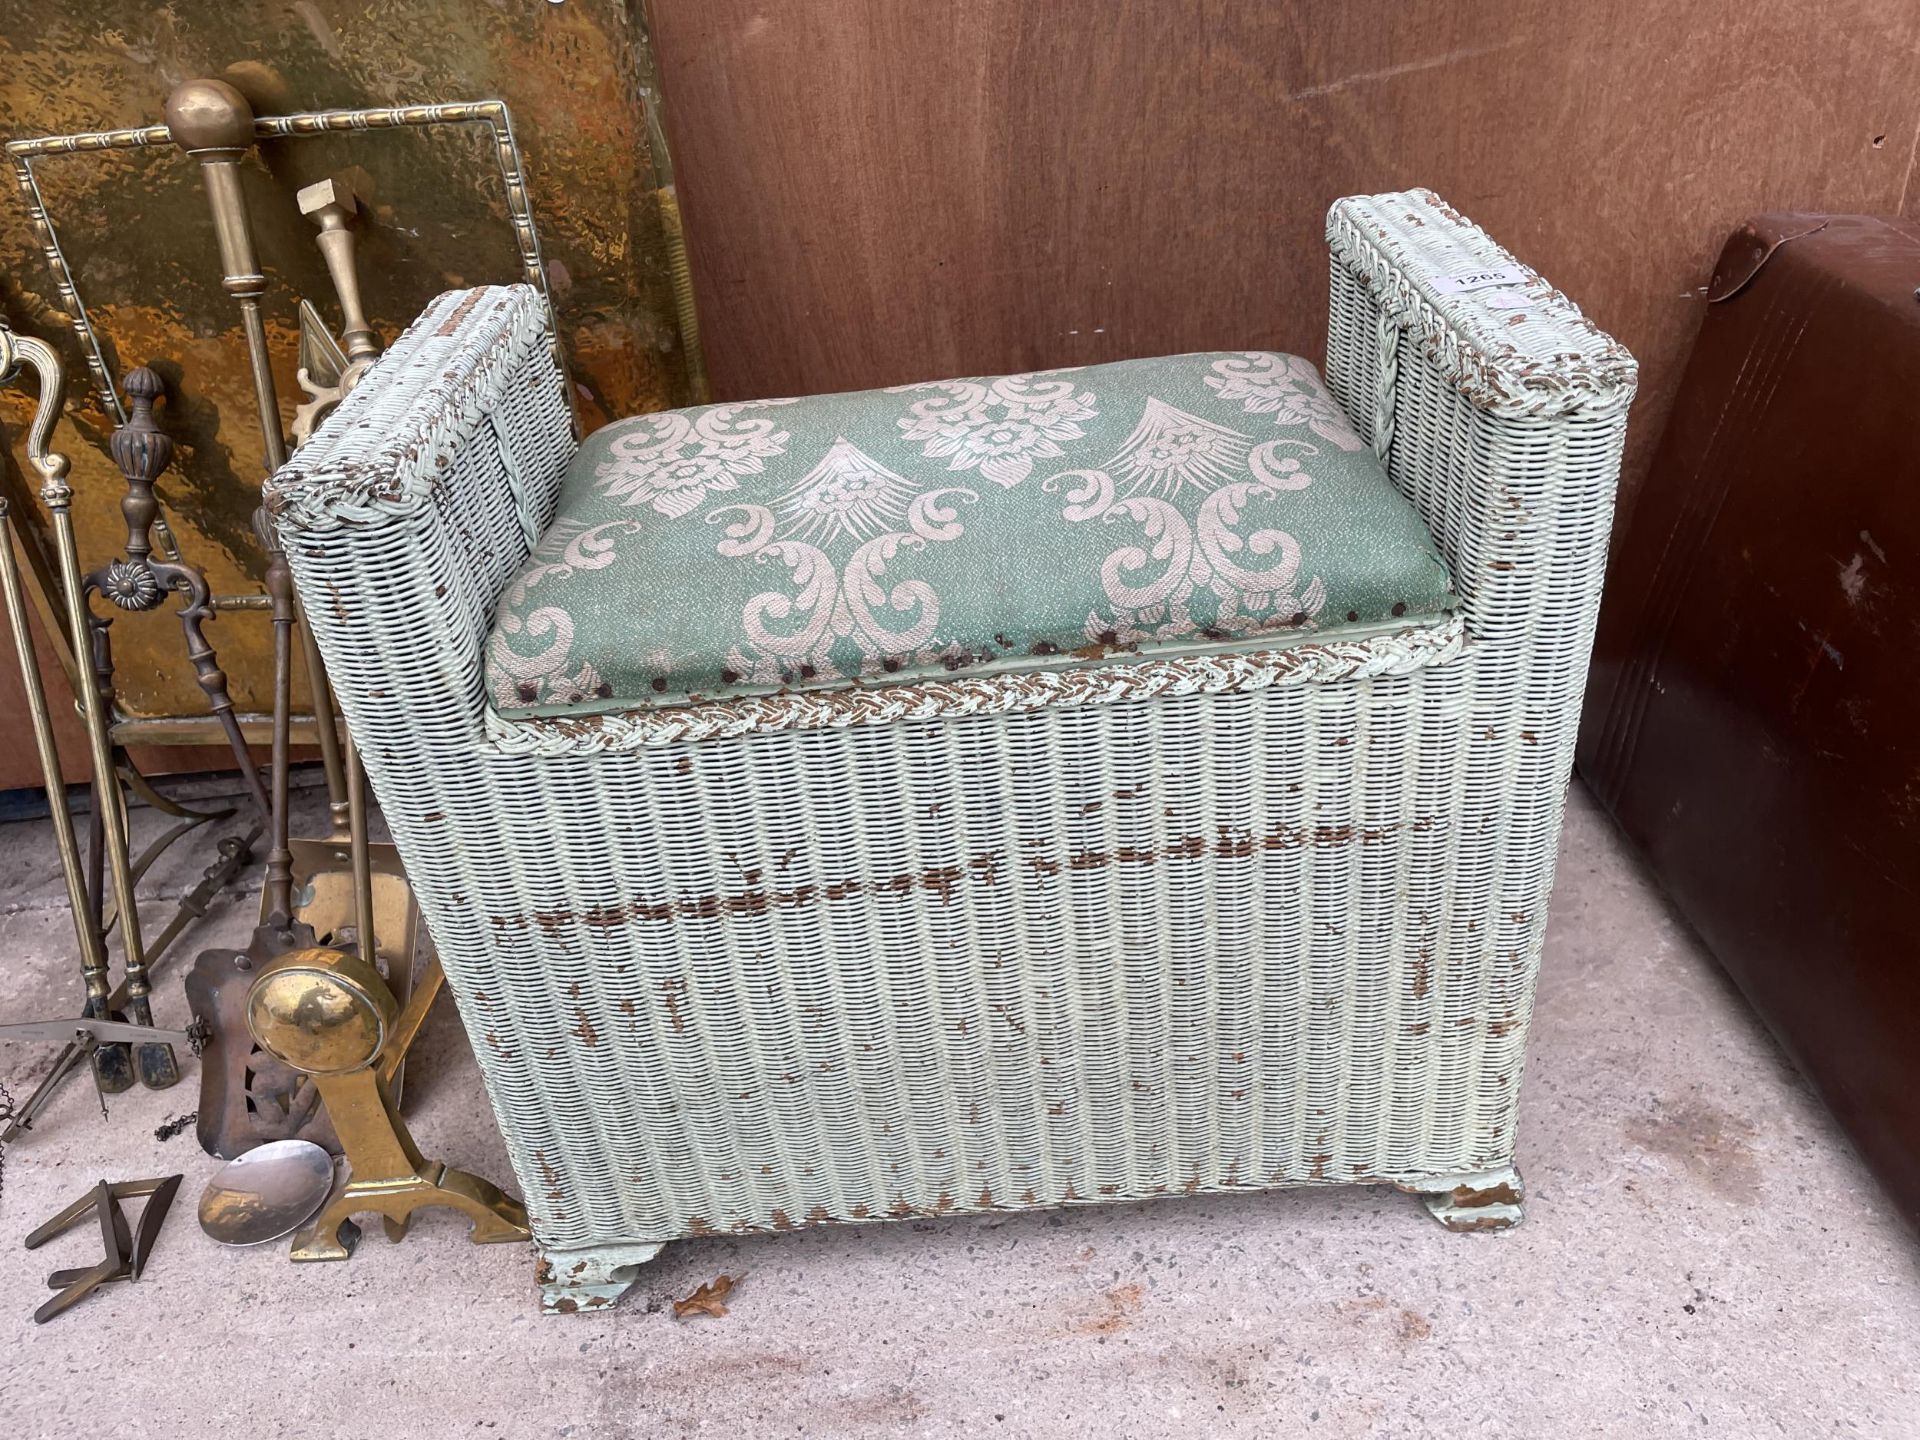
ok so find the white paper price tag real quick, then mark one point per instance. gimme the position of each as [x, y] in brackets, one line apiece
[1479, 280]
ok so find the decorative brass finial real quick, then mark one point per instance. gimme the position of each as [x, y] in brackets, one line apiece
[205, 115]
[143, 451]
[334, 205]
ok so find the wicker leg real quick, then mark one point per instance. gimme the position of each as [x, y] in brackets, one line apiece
[1490, 1200]
[589, 1279]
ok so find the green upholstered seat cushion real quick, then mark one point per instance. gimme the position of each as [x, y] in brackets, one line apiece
[1190, 502]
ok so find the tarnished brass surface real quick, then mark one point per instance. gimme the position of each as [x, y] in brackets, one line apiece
[311, 1009]
[138, 237]
[111, 1063]
[322, 1011]
[215, 125]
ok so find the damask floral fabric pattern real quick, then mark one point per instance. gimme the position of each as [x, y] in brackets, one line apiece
[674, 460]
[1287, 388]
[1197, 501]
[1002, 426]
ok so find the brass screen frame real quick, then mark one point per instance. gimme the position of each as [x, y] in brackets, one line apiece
[494, 114]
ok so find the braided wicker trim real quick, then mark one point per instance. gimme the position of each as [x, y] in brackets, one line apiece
[476, 340]
[1399, 653]
[1542, 360]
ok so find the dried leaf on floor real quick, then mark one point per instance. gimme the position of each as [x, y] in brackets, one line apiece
[709, 1299]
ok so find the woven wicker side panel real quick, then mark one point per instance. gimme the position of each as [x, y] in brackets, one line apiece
[996, 961]
[399, 572]
[1522, 510]
[1353, 349]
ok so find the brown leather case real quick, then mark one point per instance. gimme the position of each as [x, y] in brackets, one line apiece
[1751, 719]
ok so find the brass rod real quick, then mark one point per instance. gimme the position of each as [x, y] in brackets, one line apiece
[93, 952]
[362, 855]
[52, 467]
[157, 1068]
[279, 877]
[326, 718]
[220, 170]
[214, 124]
[255, 725]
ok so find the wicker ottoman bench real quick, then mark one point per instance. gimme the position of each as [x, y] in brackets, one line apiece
[1134, 780]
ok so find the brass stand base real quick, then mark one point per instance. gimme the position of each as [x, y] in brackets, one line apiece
[497, 1218]
[328, 1014]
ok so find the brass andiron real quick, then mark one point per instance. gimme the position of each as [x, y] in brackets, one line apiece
[328, 1014]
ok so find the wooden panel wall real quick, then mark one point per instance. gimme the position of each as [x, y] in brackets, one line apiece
[879, 191]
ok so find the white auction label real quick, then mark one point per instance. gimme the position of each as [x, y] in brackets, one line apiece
[1479, 280]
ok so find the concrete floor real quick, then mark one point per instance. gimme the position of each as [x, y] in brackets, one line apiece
[1702, 1253]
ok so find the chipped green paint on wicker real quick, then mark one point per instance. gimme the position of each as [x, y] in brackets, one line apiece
[1153, 926]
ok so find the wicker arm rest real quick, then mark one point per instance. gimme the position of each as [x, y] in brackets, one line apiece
[418, 499]
[1498, 408]
[1500, 411]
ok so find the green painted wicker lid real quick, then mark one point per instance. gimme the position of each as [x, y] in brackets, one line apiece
[1174, 505]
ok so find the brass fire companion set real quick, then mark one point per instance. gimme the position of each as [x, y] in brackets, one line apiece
[303, 1035]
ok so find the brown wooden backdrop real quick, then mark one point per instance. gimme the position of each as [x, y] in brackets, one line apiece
[885, 190]
[879, 191]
